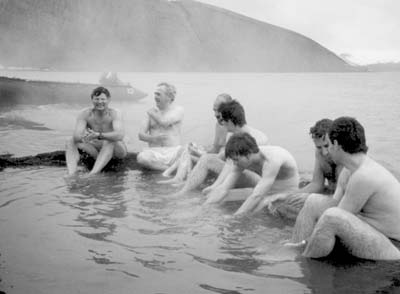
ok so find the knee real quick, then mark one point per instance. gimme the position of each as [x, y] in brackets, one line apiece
[311, 201]
[69, 143]
[332, 216]
[143, 158]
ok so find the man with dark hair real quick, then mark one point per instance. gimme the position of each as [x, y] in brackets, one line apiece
[325, 169]
[269, 169]
[99, 132]
[162, 130]
[233, 119]
[364, 213]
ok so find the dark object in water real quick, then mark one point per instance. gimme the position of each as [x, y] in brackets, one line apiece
[57, 158]
[21, 91]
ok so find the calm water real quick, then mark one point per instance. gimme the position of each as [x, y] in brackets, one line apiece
[124, 233]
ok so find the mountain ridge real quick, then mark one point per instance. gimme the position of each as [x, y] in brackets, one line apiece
[152, 35]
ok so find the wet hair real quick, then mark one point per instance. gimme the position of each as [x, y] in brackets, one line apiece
[349, 134]
[170, 90]
[100, 90]
[234, 112]
[240, 144]
[321, 128]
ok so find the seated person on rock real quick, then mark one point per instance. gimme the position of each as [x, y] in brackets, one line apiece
[98, 132]
[162, 130]
[267, 169]
[234, 120]
[191, 152]
[363, 214]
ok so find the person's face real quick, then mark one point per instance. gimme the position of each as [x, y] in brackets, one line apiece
[161, 98]
[242, 161]
[100, 102]
[217, 114]
[322, 145]
[227, 124]
[333, 150]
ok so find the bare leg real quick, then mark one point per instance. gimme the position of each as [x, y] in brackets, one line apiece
[313, 208]
[286, 204]
[207, 163]
[105, 155]
[72, 154]
[361, 239]
[183, 167]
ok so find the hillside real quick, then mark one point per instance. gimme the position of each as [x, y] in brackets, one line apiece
[151, 35]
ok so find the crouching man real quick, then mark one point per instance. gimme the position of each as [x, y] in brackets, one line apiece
[266, 169]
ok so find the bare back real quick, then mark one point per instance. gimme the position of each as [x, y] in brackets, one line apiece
[282, 163]
[373, 194]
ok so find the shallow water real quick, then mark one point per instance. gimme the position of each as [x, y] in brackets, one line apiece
[124, 233]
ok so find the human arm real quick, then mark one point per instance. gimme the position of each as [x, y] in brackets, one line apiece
[318, 180]
[117, 133]
[270, 171]
[341, 184]
[165, 120]
[80, 127]
[144, 134]
[219, 139]
[221, 191]
[358, 191]
[226, 170]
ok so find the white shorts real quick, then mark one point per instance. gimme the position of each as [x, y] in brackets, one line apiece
[162, 155]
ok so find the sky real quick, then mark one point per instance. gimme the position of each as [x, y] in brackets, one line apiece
[366, 31]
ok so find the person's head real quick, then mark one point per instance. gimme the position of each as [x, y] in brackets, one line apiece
[100, 98]
[319, 134]
[240, 147]
[232, 115]
[221, 98]
[347, 134]
[164, 95]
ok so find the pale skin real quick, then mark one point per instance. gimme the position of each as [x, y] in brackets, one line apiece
[216, 163]
[364, 212]
[271, 170]
[324, 181]
[192, 153]
[90, 124]
[323, 166]
[161, 127]
[260, 138]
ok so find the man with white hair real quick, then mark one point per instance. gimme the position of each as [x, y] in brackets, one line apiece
[162, 130]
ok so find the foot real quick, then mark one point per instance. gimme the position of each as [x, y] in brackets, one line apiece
[300, 246]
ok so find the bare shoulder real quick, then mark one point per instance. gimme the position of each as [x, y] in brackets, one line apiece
[85, 113]
[114, 112]
[178, 109]
[276, 153]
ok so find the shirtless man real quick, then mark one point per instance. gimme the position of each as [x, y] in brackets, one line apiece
[162, 130]
[192, 152]
[99, 132]
[269, 169]
[364, 213]
[234, 120]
